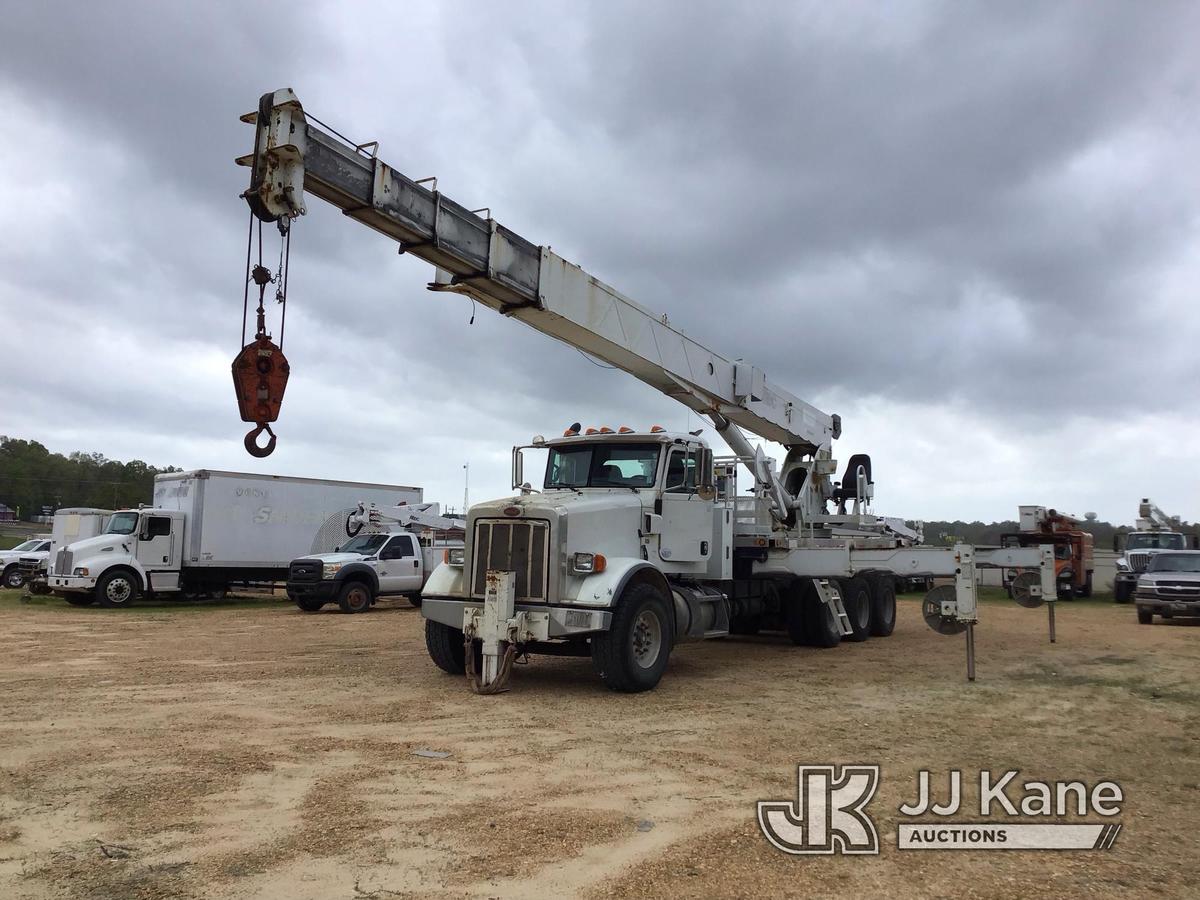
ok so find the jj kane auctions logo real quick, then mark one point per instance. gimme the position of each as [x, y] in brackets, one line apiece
[829, 814]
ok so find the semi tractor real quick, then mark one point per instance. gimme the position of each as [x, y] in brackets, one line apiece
[207, 530]
[1154, 531]
[634, 542]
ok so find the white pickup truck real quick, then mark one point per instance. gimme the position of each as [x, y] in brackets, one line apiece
[365, 568]
[10, 560]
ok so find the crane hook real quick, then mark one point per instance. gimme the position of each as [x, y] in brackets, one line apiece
[251, 441]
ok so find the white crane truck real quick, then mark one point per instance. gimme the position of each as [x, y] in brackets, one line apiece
[636, 541]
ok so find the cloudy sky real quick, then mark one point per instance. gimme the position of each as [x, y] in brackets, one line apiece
[972, 229]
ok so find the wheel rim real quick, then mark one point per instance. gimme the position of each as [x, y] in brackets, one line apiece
[118, 590]
[358, 598]
[646, 639]
[13, 580]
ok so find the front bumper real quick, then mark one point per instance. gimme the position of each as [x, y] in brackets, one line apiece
[1163, 606]
[315, 590]
[564, 622]
[71, 583]
[1126, 577]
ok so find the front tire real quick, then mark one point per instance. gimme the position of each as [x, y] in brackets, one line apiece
[80, 599]
[1086, 591]
[1145, 616]
[308, 604]
[117, 589]
[13, 578]
[445, 646]
[355, 597]
[1122, 592]
[856, 598]
[632, 655]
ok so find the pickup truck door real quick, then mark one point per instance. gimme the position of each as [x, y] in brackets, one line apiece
[400, 568]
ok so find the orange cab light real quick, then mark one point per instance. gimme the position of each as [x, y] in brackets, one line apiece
[604, 429]
[570, 432]
[624, 429]
[656, 429]
[591, 431]
[599, 563]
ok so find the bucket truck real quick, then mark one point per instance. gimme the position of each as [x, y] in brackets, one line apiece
[391, 553]
[1154, 531]
[1074, 560]
[636, 540]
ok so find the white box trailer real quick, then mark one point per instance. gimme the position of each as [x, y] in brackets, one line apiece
[207, 530]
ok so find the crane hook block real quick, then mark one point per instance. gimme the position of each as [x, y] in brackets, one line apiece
[260, 374]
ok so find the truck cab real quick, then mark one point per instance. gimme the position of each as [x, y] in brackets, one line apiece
[364, 569]
[619, 513]
[140, 552]
[1074, 559]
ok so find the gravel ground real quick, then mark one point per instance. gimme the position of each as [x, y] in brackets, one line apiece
[254, 751]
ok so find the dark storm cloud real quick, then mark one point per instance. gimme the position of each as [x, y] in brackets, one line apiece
[963, 205]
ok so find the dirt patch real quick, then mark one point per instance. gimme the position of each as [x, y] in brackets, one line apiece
[241, 752]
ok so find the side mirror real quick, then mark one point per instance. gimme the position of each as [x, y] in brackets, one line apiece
[518, 467]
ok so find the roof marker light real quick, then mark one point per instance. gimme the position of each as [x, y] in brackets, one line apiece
[591, 431]
[604, 429]
[656, 429]
[624, 429]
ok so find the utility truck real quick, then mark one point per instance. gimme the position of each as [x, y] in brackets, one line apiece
[390, 553]
[1154, 531]
[207, 530]
[635, 541]
[1074, 556]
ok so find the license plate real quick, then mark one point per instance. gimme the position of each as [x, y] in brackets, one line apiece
[1180, 607]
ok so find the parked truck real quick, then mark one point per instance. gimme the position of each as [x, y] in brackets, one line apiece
[628, 548]
[11, 574]
[67, 526]
[1154, 531]
[389, 553]
[1074, 556]
[208, 530]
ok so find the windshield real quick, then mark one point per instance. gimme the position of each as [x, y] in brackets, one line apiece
[366, 544]
[602, 465]
[1174, 562]
[122, 523]
[1142, 540]
[28, 545]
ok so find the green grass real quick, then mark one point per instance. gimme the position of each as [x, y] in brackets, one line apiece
[21, 599]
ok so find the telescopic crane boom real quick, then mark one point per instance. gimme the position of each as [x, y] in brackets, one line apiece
[477, 256]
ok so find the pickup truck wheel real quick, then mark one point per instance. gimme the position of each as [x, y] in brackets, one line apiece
[1122, 592]
[116, 589]
[355, 597]
[856, 598]
[12, 577]
[1145, 616]
[308, 604]
[632, 655]
[823, 630]
[80, 599]
[883, 605]
[414, 600]
[445, 646]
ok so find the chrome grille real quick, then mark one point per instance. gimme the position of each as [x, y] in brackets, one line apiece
[1138, 560]
[62, 562]
[518, 546]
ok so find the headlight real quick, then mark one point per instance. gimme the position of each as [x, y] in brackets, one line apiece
[81, 570]
[588, 563]
[329, 570]
[454, 556]
[1067, 573]
[1122, 566]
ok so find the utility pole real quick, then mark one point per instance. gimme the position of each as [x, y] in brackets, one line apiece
[466, 486]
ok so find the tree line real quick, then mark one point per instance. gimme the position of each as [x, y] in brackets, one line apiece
[31, 477]
[985, 534]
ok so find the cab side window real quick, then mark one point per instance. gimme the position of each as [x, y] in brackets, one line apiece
[398, 548]
[158, 526]
[681, 471]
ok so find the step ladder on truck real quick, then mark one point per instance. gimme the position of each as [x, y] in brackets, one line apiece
[633, 544]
